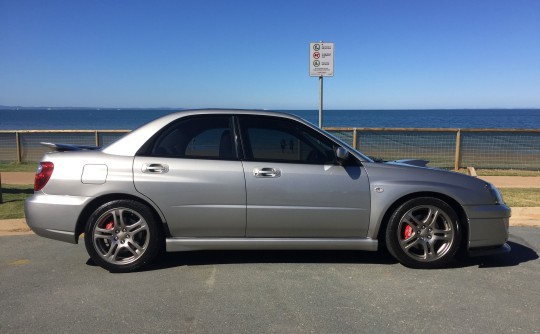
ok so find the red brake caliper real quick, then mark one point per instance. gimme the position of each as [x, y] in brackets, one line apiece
[407, 232]
[110, 226]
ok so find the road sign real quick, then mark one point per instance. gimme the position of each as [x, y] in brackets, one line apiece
[321, 59]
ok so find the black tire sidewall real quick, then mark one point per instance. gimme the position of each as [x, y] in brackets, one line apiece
[154, 243]
[391, 237]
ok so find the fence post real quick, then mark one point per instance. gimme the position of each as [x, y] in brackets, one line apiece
[18, 145]
[354, 138]
[97, 137]
[1, 199]
[457, 161]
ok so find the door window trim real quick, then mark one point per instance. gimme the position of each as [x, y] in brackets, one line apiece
[146, 149]
[246, 145]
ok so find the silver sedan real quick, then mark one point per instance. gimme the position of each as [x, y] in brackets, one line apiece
[229, 179]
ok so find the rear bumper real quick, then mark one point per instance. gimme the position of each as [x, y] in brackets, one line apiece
[54, 217]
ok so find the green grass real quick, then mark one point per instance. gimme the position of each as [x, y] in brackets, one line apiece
[507, 172]
[521, 197]
[18, 167]
[503, 172]
[13, 200]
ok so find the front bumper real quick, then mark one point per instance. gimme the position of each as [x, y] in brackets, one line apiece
[490, 251]
[488, 226]
[54, 216]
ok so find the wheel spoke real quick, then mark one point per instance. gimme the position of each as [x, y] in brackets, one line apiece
[445, 238]
[138, 249]
[137, 227]
[432, 217]
[411, 242]
[424, 248]
[411, 220]
[121, 221]
[102, 233]
[443, 235]
[113, 252]
[430, 253]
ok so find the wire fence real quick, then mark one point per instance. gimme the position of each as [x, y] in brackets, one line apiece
[444, 148]
[449, 148]
[24, 146]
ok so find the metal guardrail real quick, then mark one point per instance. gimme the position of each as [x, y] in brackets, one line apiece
[445, 148]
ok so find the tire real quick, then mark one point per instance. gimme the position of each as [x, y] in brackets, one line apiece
[122, 236]
[423, 233]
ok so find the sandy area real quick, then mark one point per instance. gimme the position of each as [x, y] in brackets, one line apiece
[17, 177]
[14, 227]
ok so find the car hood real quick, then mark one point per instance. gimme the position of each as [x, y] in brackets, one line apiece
[400, 179]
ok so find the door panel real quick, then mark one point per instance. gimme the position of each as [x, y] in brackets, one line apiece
[192, 172]
[295, 186]
[307, 201]
[197, 197]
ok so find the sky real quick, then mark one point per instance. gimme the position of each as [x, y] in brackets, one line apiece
[399, 54]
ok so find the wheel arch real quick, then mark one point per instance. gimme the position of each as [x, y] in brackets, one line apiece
[99, 201]
[460, 212]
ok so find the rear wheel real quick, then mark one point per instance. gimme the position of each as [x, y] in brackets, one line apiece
[122, 236]
[423, 233]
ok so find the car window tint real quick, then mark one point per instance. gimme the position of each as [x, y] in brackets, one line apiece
[197, 137]
[271, 139]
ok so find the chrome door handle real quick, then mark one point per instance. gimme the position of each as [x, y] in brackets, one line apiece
[155, 168]
[266, 172]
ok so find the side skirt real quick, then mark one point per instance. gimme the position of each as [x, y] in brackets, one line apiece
[192, 244]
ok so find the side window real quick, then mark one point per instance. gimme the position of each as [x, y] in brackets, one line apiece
[282, 140]
[197, 138]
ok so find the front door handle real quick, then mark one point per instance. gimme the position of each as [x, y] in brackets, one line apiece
[155, 168]
[266, 172]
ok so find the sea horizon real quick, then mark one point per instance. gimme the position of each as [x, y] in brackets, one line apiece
[86, 118]
[45, 108]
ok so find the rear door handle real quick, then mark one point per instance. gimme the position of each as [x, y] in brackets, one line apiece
[266, 172]
[155, 168]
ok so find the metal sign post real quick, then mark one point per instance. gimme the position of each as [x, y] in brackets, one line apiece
[320, 100]
[321, 64]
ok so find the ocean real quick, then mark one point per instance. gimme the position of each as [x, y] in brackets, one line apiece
[129, 119]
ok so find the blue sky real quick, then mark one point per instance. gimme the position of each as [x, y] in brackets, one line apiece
[254, 54]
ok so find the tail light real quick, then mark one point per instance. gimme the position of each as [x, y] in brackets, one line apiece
[43, 174]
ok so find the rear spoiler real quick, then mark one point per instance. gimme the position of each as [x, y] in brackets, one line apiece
[69, 147]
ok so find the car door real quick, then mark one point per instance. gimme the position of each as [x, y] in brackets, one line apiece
[295, 187]
[191, 171]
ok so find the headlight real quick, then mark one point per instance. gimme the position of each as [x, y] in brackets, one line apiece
[495, 193]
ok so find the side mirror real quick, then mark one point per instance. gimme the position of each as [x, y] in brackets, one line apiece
[341, 154]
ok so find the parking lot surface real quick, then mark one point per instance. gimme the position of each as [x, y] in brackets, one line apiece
[48, 286]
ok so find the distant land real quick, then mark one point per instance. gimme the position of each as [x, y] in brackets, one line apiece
[84, 108]
[2, 107]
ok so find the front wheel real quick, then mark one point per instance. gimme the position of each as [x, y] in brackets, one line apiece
[423, 233]
[122, 236]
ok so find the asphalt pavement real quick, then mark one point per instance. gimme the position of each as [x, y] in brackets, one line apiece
[48, 286]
